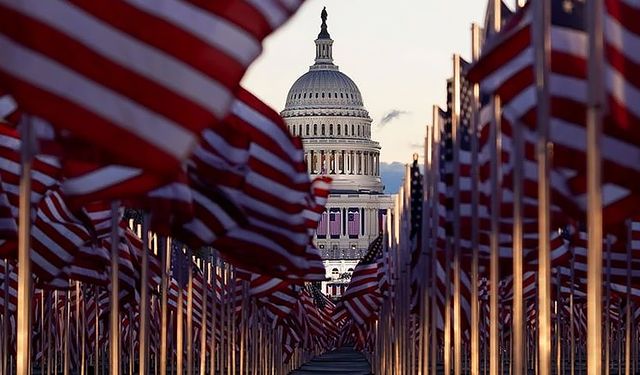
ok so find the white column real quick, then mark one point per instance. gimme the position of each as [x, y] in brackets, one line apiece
[351, 162]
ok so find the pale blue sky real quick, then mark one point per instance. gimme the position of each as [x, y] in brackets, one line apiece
[398, 52]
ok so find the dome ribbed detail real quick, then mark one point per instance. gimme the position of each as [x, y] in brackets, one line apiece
[324, 89]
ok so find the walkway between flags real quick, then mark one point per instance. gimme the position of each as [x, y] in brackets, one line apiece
[344, 360]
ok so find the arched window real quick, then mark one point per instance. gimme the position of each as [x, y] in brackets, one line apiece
[350, 270]
[336, 95]
[323, 95]
[305, 95]
[307, 129]
[322, 129]
[300, 129]
[335, 272]
[316, 95]
[330, 129]
[341, 96]
[315, 129]
[346, 130]
[338, 129]
[352, 131]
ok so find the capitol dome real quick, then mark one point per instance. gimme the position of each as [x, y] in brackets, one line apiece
[327, 88]
[325, 108]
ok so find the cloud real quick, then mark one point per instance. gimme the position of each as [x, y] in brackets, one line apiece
[419, 146]
[390, 116]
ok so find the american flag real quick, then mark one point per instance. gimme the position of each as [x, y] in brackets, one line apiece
[506, 69]
[353, 225]
[622, 64]
[418, 253]
[335, 222]
[127, 82]
[363, 297]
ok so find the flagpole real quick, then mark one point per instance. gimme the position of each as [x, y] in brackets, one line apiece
[5, 319]
[96, 354]
[55, 322]
[494, 273]
[67, 335]
[607, 317]
[434, 231]
[518, 262]
[542, 44]
[628, 318]
[475, 318]
[214, 283]
[23, 324]
[594, 188]
[143, 361]
[572, 333]
[165, 261]
[455, 130]
[203, 317]
[179, 318]
[82, 325]
[114, 328]
[190, 312]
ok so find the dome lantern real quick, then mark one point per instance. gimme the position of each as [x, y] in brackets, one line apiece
[324, 43]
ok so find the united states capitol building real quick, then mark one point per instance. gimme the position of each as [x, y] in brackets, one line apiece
[325, 107]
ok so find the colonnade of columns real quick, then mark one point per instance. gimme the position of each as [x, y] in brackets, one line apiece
[352, 162]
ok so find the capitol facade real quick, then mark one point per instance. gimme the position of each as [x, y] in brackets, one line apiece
[325, 108]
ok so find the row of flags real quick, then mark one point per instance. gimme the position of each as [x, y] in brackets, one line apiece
[165, 212]
[486, 260]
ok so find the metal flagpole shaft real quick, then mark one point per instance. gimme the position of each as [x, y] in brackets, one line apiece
[203, 318]
[518, 262]
[114, 321]
[607, 317]
[214, 283]
[67, 333]
[143, 362]
[628, 317]
[96, 353]
[81, 325]
[23, 358]
[55, 322]
[475, 318]
[594, 189]
[179, 319]
[455, 130]
[542, 16]
[434, 232]
[572, 332]
[494, 273]
[190, 312]
[165, 251]
[5, 320]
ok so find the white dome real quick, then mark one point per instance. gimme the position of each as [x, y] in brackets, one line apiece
[324, 88]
